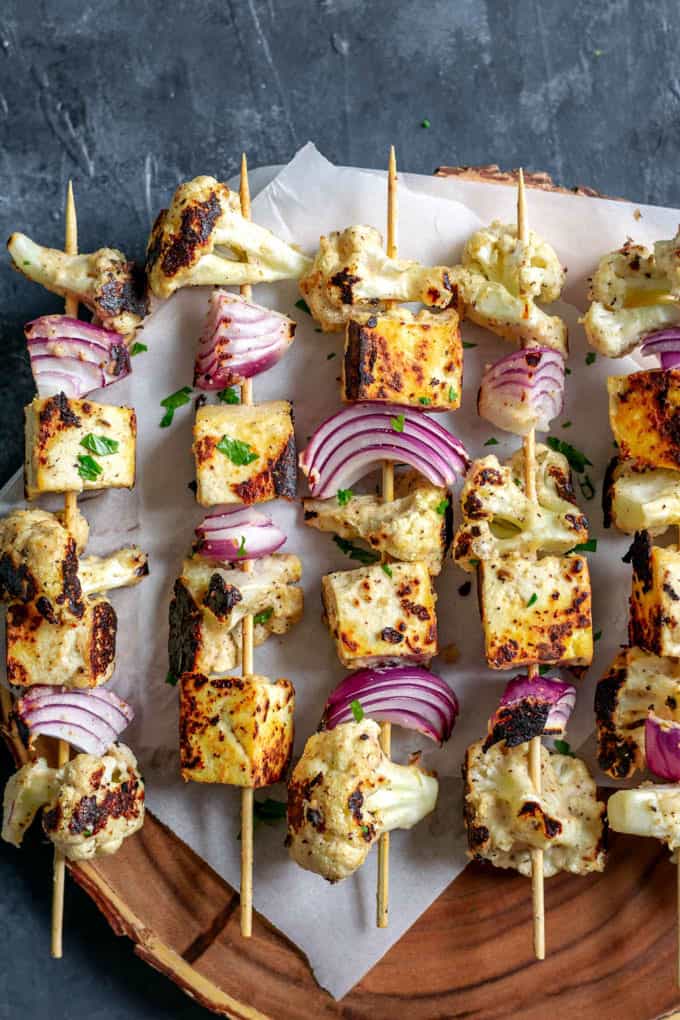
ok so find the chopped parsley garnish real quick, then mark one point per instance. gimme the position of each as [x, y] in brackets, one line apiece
[586, 486]
[532, 600]
[577, 460]
[425, 123]
[474, 563]
[589, 546]
[303, 306]
[566, 424]
[88, 468]
[329, 357]
[441, 506]
[357, 710]
[543, 670]
[343, 496]
[491, 442]
[237, 451]
[100, 445]
[562, 747]
[241, 551]
[229, 396]
[269, 810]
[387, 568]
[355, 552]
[453, 395]
[171, 678]
[597, 635]
[591, 357]
[137, 348]
[567, 370]
[397, 423]
[424, 401]
[171, 404]
[263, 616]
[467, 345]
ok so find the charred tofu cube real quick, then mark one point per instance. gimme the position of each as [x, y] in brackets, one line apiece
[644, 412]
[505, 818]
[640, 499]
[654, 622]
[245, 454]
[376, 617]
[634, 683]
[72, 445]
[536, 611]
[76, 652]
[235, 730]
[413, 360]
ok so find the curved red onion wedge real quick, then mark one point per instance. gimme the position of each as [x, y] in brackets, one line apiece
[90, 720]
[666, 344]
[523, 391]
[74, 357]
[662, 747]
[241, 534]
[240, 340]
[530, 708]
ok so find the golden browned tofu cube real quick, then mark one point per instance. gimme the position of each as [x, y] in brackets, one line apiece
[235, 730]
[644, 412]
[536, 611]
[245, 454]
[378, 617]
[654, 622]
[72, 445]
[76, 652]
[414, 360]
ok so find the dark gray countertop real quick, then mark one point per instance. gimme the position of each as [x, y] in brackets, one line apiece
[129, 98]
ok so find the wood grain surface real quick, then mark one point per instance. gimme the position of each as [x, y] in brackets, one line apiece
[610, 937]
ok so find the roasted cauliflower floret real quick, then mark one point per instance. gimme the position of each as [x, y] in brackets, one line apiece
[654, 622]
[203, 239]
[352, 275]
[344, 793]
[414, 526]
[629, 292]
[498, 519]
[122, 569]
[26, 791]
[113, 288]
[235, 730]
[99, 803]
[210, 601]
[502, 278]
[506, 819]
[39, 562]
[644, 414]
[634, 683]
[640, 499]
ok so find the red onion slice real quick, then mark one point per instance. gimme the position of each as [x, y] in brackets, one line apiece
[530, 708]
[355, 440]
[90, 720]
[407, 696]
[523, 391]
[74, 357]
[662, 747]
[238, 534]
[666, 344]
[240, 340]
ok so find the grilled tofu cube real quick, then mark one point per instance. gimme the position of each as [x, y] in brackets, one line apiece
[654, 622]
[235, 730]
[644, 412]
[78, 652]
[245, 454]
[210, 601]
[375, 617]
[640, 499]
[58, 457]
[536, 611]
[505, 818]
[414, 360]
[414, 526]
[635, 682]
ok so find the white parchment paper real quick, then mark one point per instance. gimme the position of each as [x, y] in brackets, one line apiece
[334, 925]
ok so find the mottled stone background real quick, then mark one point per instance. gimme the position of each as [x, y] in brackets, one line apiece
[128, 98]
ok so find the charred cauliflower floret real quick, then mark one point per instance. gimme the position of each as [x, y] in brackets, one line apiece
[353, 275]
[506, 819]
[640, 498]
[499, 519]
[108, 284]
[29, 789]
[503, 278]
[203, 239]
[630, 293]
[39, 562]
[344, 792]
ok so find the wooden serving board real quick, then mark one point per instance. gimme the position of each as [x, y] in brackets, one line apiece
[611, 938]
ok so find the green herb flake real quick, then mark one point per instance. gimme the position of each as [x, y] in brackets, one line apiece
[453, 394]
[303, 306]
[357, 710]
[267, 812]
[532, 600]
[343, 496]
[467, 345]
[597, 635]
[26, 262]
[562, 747]
[137, 348]
[566, 424]
[586, 486]
[543, 670]
[425, 123]
[101, 445]
[237, 451]
[567, 370]
[241, 551]
[88, 468]
[329, 357]
[171, 403]
[171, 678]
[229, 396]
[591, 358]
[441, 506]
[584, 547]
[424, 401]
[474, 563]
[355, 552]
[397, 423]
[577, 460]
[262, 617]
[387, 568]
[491, 442]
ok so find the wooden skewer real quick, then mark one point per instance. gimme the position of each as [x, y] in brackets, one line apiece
[383, 897]
[70, 511]
[535, 743]
[246, 651]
